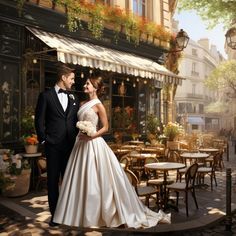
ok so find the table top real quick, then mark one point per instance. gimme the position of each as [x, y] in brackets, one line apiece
[194, 155]
[165, 166]
[141, 155]
[37, 154]
[136, 142]
[208, 150]
[129, 147]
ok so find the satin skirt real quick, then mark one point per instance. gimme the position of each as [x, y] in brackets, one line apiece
[96, 192]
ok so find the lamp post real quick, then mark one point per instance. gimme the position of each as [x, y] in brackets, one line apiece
[181, 41]
[231, 38]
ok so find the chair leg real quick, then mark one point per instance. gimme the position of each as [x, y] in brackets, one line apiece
[177, 198]
[215, 179]
[186, 202]
[194, 197]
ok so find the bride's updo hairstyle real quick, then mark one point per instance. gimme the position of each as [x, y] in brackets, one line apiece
[97, 84]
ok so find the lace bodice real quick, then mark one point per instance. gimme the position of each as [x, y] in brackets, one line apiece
[89, 115]
[86, 112]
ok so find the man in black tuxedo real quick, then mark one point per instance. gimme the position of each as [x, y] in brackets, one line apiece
[55, 123]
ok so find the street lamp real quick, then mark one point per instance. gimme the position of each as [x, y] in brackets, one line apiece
[231, 38]
[181, 41]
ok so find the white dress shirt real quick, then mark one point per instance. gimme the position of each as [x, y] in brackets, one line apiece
[63, 98]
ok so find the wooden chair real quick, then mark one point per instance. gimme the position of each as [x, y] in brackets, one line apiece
[142, 191]
[203, 171]
[125, 161]
[188, 185]
[42, 171]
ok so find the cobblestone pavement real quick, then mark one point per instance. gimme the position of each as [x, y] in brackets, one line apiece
[28, 215]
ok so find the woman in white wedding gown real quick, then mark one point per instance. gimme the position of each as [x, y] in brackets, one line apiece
[95, 191]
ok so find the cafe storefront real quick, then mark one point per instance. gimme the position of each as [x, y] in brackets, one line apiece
[28, 65]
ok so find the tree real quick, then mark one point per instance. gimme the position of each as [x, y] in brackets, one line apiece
[223, 79]
[213, 12]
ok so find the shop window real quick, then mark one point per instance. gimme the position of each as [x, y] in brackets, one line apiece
[194, 127]
[139, 7]
[123, 106]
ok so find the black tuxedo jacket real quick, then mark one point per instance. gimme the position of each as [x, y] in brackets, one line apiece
[52, 123]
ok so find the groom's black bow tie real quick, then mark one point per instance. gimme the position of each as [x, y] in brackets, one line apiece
[62, 91]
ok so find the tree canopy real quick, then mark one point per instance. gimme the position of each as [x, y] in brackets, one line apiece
[223, 79]
[213, 12]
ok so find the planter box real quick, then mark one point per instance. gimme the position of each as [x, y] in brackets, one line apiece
[21, 186]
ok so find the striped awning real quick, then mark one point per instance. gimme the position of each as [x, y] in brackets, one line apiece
[70, 50]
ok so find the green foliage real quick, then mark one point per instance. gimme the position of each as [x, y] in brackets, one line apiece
[153, 124]
[27, 121]
[223, 78]
[5, 182]
[172, 130]
[13, 170]
[213, 12]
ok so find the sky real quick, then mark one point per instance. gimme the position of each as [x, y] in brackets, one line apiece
[197, 29]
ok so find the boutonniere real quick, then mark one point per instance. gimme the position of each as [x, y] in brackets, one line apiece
[71, 96]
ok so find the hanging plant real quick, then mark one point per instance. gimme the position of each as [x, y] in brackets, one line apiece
[96, 18]
[114, 16]
[131, 28]
[98, 14]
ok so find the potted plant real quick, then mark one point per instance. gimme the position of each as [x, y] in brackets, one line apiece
[30, 143]
[14, 175]
[172, 131]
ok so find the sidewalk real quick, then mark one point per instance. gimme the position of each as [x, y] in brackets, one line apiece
[28, 215]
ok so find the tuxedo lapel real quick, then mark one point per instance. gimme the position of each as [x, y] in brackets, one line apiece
[57, 102]
[71, 103]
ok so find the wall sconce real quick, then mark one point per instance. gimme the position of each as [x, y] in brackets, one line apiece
[231, 38]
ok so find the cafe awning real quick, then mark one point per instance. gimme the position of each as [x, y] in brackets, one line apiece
[195, 120]
[70, 50]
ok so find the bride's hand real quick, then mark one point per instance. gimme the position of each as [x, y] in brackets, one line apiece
[84, 137]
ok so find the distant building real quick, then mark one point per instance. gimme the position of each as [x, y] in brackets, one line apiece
[199, 59]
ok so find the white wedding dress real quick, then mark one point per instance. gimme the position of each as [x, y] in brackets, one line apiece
[95, 191]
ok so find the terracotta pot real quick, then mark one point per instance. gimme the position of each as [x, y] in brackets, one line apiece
[31, 149]
[173, 145]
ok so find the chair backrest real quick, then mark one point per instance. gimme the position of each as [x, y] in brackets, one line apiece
[173, 156]
[190, 175]
[150, 160]
[216, 160]
[125, 161]
[42, 165]
[132, 178]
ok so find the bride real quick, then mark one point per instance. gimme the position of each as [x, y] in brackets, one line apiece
[95, 191]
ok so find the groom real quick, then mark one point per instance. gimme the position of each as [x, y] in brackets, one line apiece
[55, 123]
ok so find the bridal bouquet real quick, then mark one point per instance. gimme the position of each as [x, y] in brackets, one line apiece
[86, 127]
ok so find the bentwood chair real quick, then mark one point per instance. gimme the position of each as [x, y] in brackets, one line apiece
[203, 171]
[42, 171]
[142, 191]
[188, 185]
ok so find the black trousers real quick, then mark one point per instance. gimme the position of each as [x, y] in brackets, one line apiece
[57, 156]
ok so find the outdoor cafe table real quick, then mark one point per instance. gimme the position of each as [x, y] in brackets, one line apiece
[120, 152]
[209, 150]
[136, 142]
[196, 156]
[165, 167]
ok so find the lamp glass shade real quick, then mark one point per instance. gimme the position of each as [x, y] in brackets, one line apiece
[182, 39]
